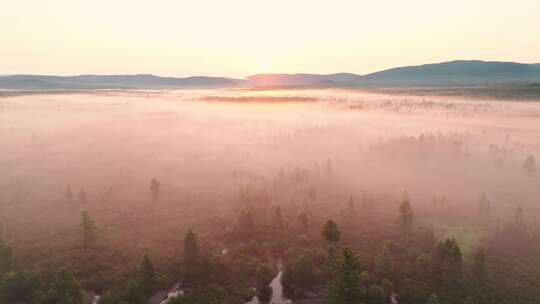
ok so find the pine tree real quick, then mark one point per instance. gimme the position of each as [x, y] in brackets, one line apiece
[330, 234]
[345, 288]
[406, 215]
[154, 188]
[147, 276]
[191, 248]
[88, 229]
[530, 164]
[479, 266]
[69, 192]
[328, 169]
[277, 218]
[263, 278]
[351, 208]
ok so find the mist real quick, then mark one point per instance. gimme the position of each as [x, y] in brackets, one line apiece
[302, 150]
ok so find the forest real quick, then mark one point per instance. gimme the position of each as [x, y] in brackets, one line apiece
[239, 197]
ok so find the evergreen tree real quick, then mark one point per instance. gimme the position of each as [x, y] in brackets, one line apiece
[154, 188]
[147, 276]
[263, 278]
[191, 271]
[345, 287]
[330, 234]
[484, 207]
[406, 215]
[447, 261]
[191, 248]
[479, 268]
[328, 169]
[351, 208]
[88, 229]
[69, 192]
[530, 164]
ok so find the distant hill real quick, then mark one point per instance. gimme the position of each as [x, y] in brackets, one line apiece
[457, 72]
[140, 81]
[460, 72]
[300, 79]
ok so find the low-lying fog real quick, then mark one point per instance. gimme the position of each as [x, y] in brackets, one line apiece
[202, 145]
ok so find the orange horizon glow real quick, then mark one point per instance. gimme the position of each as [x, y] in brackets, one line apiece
[239, 38]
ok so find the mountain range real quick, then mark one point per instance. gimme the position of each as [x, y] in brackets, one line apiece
[460, 72]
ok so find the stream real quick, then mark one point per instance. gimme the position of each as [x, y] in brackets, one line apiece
[277, 290]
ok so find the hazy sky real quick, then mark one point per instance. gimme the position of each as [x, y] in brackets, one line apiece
[239, 38]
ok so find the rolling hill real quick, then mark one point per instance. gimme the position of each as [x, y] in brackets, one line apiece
[460, 72]
[139, 81]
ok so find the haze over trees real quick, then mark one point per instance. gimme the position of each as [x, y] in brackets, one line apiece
[302, 185]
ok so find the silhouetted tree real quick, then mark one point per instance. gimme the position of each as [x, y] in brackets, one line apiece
[530, 164]
[191, 271]
[351, 208]
[447, 261]
[330, 234]
[154, 188]
[69, 192]
[146, 275]
[191, 248]
[88, 229]
[345, 287]
[479, 268]
[484, 207]
[406, 215]
[328, 169]
[263, 278]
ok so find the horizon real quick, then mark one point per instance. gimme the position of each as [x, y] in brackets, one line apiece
[238, 38]
[273, 73]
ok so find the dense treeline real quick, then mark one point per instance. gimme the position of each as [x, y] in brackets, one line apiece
[349, 251]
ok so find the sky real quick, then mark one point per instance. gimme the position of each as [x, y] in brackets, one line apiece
[237, 38]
